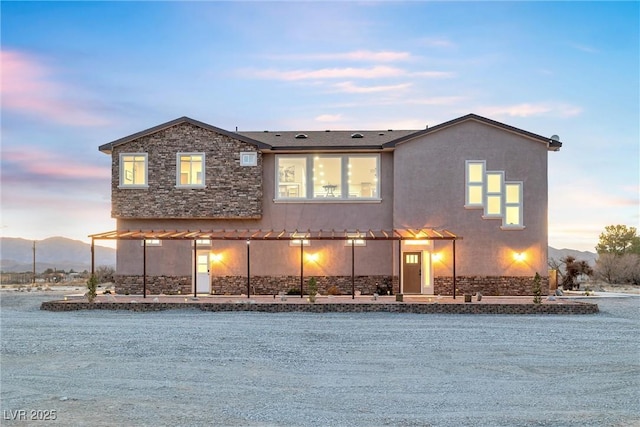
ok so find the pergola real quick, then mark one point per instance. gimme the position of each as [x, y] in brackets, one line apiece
[280, 235]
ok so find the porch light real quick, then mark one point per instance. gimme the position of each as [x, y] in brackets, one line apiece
[216, 257]
[312, 257]
[519, 256]
[437, 257]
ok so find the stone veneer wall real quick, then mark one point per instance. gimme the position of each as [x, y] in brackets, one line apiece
[231, 190]
[489, 285]
[271, 285]
[156, 285]
[367, 285]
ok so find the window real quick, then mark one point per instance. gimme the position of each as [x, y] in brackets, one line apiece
[355, 241]
[299, 238]
[203, 242]
[133, 170]
[513, 205]
[331, 176]
[474, 193]
[190, 170]
[493, 203]
[151, 242]
[248, 159]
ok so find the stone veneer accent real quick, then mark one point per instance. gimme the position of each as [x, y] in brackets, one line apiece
[272, 285]
[156, 285]
[488, 285]
[231, 190]
[398, 307]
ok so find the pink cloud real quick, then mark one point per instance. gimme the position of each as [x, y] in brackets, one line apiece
[29, 87]
[349, 87]
[357, 55]
[528, 110]
[39, 162]
[330, 73]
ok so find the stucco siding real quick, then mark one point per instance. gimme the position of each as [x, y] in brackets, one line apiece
[429, 191]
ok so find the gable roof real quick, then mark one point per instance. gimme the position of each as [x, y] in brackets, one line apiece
[331, 140]
[328, 139]
[107, 148]
[552, 144]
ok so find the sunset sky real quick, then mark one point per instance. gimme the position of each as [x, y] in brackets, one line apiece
[76, 75]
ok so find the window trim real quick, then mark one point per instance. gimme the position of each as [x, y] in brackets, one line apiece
[487, 194]
[121, 171]
[519, 204]
[308, 197]
[469, 184]
[251, 156]
[179, 170]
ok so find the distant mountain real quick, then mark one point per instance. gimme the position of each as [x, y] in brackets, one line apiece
[16, 255]
[558, 254]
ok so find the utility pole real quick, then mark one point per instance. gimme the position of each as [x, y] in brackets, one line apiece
[34, 262]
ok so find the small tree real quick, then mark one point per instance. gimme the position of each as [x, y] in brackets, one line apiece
[105, 274]
[618, 240]
[312, 287]
[574, 269]
[537, 289]
[92, 285]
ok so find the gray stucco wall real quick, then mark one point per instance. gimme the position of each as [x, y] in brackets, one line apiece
[231, 191]
[429, 191]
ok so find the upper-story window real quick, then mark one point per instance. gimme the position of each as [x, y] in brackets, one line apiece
[494, 194]
[190, 170]
[513, 205]
[474, 194]
[328, 177]
[133, 170]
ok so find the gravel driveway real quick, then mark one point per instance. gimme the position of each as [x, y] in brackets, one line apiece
[192, 368]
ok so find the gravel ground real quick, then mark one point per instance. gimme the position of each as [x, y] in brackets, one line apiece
[192, 368]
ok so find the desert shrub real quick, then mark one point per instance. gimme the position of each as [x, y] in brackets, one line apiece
[92, 285]
[537, 289]
[333, 290]
[104, 274]
[293, 291]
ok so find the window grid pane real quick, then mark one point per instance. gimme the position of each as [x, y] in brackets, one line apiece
[191, 169]
[134, 170]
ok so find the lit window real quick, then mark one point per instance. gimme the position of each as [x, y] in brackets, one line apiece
[299, 239]
[513, 205]
[151, 242]
[355, 241]
[203, 242]
[291, 177]
[475, 183]
[331, 177]
[493, 206]
[190, 170]
[133, 170]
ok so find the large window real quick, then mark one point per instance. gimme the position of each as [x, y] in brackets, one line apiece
[133, 170]
[513, 205]
[328, 177]
[190, 170]
[474, 194]
[493, 204]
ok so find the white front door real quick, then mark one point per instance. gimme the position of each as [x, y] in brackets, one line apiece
[203, 281]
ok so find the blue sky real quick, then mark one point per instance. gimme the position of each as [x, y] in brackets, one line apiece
[76, 75]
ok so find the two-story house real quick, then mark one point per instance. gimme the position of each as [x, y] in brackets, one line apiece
[459, 206]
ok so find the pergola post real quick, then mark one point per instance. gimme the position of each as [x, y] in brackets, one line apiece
[144, 268]
[454, 268]
[399, 266]
[248, 269]
[301, 267]
[93, 256]
[195, 268]
[353, 268]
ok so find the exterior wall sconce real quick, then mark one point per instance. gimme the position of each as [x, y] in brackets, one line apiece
[312, 257]
[437, 257]
[519, 256]
[216, 257]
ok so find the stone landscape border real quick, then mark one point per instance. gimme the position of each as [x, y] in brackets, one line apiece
[568, 308]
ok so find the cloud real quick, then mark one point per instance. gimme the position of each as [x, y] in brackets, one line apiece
[28, 87]
[325, 118]
[329, 73]
[583, 48]
[349, 87]
[38, 162]
[357, 55]
[437, 42]
[529, 110]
